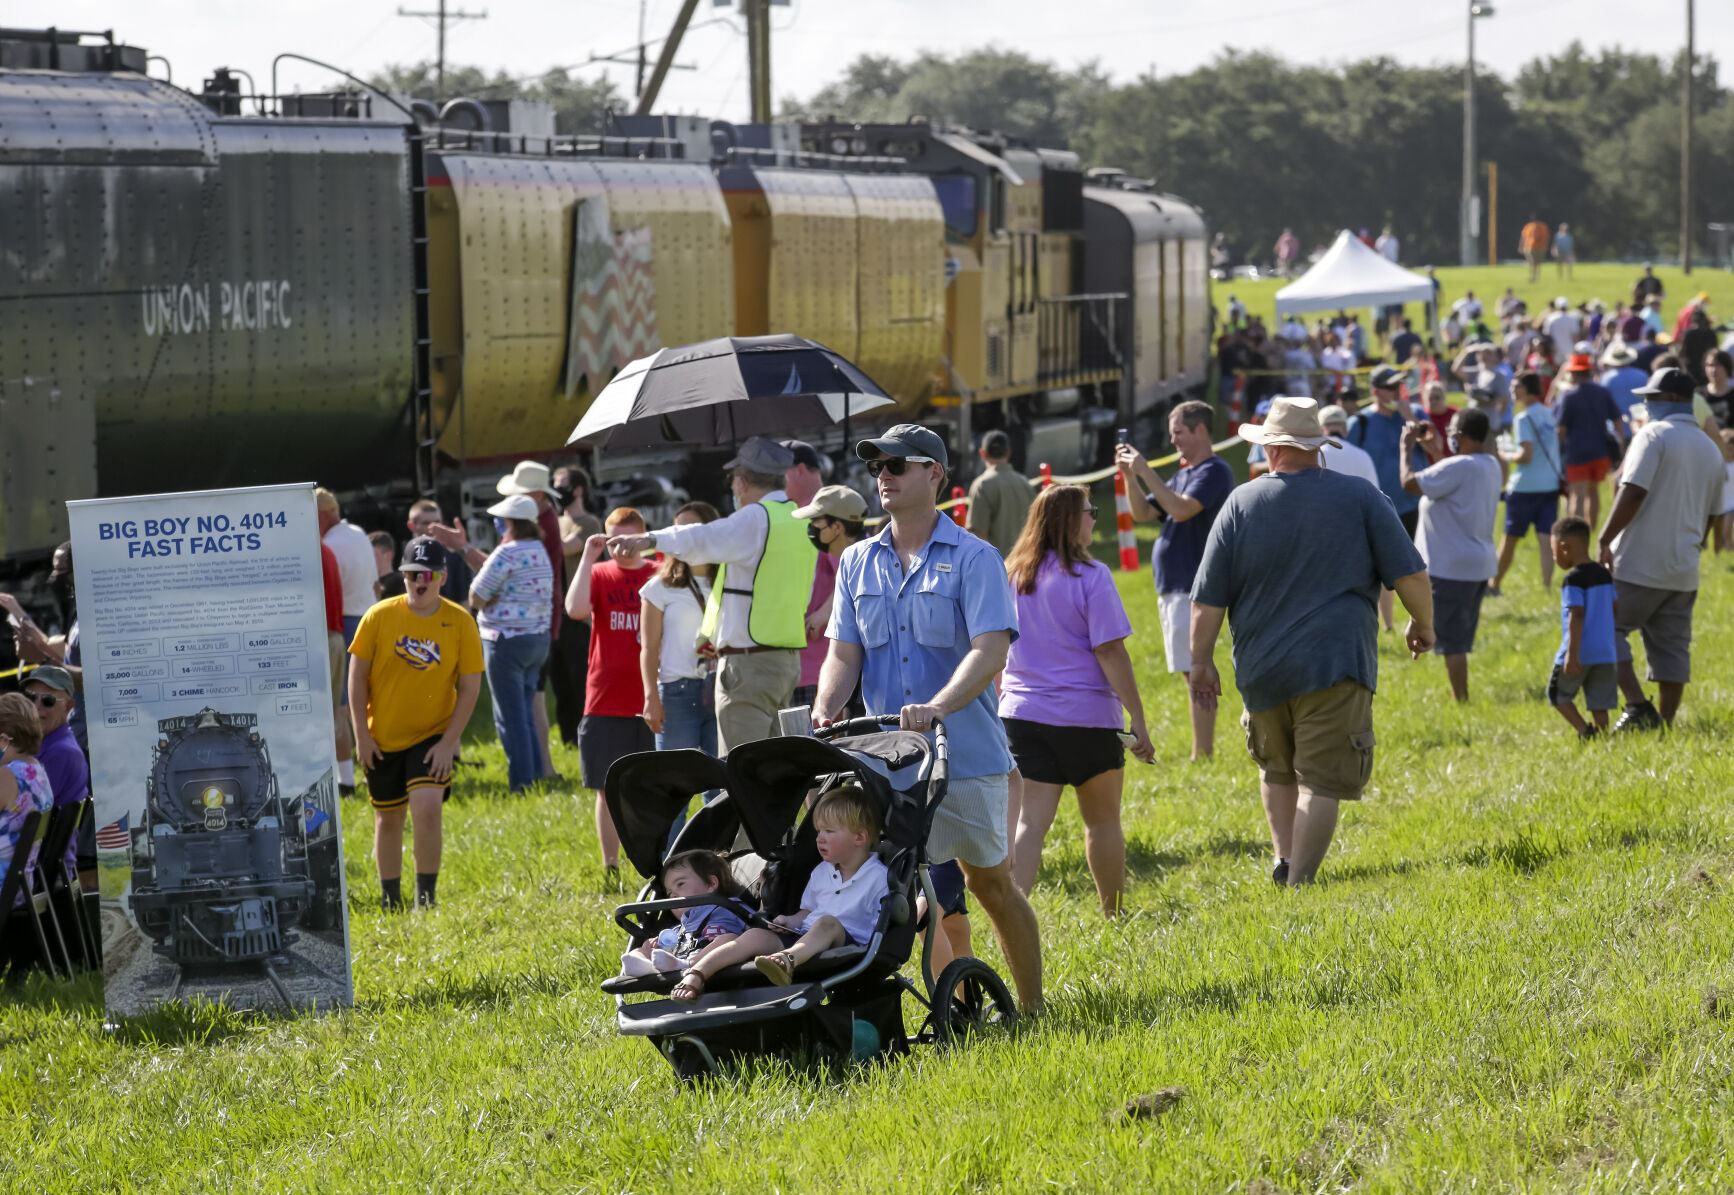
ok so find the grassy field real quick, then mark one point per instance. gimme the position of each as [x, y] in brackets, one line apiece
[1608, 282]
[1515, 974]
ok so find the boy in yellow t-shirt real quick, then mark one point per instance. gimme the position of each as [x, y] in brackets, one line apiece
[412, 688]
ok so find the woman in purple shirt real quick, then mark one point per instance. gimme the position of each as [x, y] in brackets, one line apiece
[1067, 689]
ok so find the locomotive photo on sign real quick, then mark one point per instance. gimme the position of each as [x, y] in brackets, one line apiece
[202, 628]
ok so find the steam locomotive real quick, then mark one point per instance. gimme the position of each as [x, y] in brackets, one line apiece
[220, 288]
[221, 871]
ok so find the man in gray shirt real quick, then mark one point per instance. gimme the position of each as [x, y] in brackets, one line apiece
[1459, 501]
[1669, 497]
[1295, 561]
[999, 500]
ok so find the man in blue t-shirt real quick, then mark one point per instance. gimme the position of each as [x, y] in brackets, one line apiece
[1295, 562]
[1532, 499]
[1379, 431]
[1587, 415]
[1188, 506]
[1404, 344]
[1621, 377]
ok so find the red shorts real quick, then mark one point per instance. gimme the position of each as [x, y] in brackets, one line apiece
[1593, 472]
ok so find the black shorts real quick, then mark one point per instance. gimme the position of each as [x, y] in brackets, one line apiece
[947, 880]
[1063, 755]
[389, 781]
[1411, 520]
[604, 738]
[1456, 615]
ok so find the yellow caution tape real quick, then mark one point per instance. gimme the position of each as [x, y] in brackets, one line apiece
[1076, 479]
[19, 671]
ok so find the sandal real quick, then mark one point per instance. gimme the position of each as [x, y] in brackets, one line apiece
[691, 983]
[779, 968]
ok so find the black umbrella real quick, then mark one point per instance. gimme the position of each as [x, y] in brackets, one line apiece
[723, 390]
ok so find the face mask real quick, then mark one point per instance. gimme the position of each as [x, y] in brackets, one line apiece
[61, 588]
[500, 528]
[816, 533]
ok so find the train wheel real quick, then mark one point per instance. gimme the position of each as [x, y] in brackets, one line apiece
[970, 999]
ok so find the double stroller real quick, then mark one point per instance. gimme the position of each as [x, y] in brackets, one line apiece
[846, 1003]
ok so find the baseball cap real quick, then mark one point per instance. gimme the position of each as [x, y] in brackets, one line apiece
[1387, 379]
[836, 502]
[761, 456]
[424, 552]
[1562, 303]
[517, 506]
[904, 439]
[1673, 383]
[1332, 414]
[54, 676]
[805, 453]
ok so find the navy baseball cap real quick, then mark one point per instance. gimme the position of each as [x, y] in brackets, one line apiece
[1387, 379]
[805, 453]
[905, 439]
[1670, 383]
[423, 552]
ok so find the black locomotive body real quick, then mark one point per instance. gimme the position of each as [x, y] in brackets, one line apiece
[220, 868]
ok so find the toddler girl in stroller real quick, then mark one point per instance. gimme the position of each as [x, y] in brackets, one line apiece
[689, 873]
[839, 906]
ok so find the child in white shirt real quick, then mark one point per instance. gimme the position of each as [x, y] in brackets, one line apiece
[840, 904]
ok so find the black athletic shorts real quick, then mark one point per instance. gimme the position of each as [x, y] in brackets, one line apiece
[1063, 755]
[604, 738]
[389, 781]
[1411, 521]
[947, 880]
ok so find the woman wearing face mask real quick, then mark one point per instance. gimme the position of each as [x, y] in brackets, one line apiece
[514, 596]
[834, 521]
[677, 670]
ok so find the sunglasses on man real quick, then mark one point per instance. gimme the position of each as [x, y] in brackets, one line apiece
[46, 700]
[895, 465]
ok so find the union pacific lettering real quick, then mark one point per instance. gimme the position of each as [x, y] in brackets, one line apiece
[249, 306]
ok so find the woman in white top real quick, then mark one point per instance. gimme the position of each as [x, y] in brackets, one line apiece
[679, 704]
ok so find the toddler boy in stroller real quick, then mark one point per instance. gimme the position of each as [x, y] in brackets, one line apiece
[838, 907]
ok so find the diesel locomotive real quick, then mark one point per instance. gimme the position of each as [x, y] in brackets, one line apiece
[215, 288]
[221, 871]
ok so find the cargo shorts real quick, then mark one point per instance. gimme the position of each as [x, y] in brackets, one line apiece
[1321, 741]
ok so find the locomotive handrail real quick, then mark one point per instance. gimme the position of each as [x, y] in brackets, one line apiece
[338, 70]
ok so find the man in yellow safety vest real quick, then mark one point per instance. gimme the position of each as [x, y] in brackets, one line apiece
[757, 614]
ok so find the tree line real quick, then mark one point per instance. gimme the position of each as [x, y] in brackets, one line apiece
[1261, 143]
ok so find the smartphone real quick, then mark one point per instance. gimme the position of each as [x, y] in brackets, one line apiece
[1120, 436]
[1127, 738]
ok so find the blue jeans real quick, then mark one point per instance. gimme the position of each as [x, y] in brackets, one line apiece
[513, 665]
[688, 720]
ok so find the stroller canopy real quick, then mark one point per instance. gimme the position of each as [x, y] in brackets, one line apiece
[661, 783]
[771, 777]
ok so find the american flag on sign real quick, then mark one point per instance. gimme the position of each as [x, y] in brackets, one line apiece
[114, 836]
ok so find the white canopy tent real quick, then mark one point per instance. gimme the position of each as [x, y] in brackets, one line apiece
[1352, 275]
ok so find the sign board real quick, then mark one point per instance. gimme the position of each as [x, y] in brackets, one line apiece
[207, 688]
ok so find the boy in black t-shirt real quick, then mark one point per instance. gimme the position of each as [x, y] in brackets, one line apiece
[1587, 658]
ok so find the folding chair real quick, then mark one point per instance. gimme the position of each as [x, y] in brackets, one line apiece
[49, 884]
[17, 876]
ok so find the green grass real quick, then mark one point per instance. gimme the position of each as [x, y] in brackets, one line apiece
[1609, 282]
[1501, 983]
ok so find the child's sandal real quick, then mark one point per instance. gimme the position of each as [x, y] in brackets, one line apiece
[691, 984]
[779, 968]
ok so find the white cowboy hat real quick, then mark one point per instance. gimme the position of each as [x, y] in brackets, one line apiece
[527, 477]
[1292, 423]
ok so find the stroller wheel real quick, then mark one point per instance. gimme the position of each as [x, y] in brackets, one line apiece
[690, 1058]
[969, 997]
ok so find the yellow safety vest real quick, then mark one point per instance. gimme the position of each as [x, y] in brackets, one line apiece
[782, 584]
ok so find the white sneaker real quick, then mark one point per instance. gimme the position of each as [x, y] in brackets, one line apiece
[662, 960]
[636, 965]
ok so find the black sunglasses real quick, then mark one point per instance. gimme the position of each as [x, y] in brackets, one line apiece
[46, 700]
[1090, 510]
[895, 465]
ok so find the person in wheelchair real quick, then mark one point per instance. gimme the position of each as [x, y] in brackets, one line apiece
[839, 906]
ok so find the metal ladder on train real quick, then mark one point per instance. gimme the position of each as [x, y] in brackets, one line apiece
[421, 398]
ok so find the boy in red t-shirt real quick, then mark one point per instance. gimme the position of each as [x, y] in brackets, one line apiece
[606, 595]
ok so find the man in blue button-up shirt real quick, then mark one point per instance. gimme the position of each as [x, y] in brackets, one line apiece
[924, 616]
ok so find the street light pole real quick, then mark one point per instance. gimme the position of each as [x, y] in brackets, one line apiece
[1466, 241]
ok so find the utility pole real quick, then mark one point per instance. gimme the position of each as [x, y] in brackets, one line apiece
[1468, 221]
[758, 16]
[1686, 152]
[441, 17]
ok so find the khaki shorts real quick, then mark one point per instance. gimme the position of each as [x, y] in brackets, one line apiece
[1322, 741]
[1175, 612]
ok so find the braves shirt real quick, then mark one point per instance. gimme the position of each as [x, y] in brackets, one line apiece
[416, 661]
